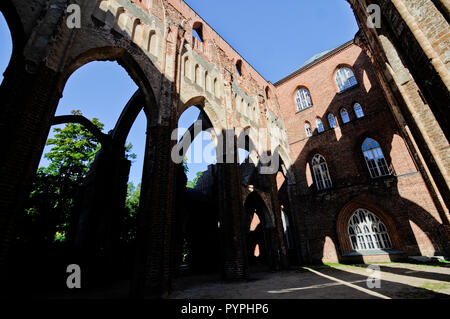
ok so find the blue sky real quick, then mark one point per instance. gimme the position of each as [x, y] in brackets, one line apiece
[275, 39]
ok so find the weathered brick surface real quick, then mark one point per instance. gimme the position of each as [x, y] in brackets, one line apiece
[404, 196]
[404, 101]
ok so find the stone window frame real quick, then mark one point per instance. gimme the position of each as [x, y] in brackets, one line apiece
[308, 129]
[341, 113]
[347, 211]
[372, 150]
[303, 99]
[366, 231]
[358, 109]
[321, 173]
[320, 126]
[332, 121]
[345, 81]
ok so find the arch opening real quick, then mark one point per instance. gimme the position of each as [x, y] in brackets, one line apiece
[259, 226]
[6, 44]
[90, 218]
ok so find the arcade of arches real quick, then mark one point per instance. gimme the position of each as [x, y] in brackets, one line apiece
[385, 201]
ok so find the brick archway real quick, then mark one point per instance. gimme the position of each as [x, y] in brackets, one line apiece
[348, 210]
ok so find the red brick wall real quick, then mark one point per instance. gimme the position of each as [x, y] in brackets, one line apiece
[403, 196]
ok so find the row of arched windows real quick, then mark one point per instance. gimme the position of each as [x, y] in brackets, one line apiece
[357, 108]
[202, 78]
[374, 158]
[345, 79]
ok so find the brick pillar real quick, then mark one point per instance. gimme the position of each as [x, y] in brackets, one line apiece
[99, 209]
[281, 244]
[155, 217]
[231, 212]
[29, 101]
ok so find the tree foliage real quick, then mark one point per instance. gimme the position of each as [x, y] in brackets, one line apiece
[193, 183]
[131, 207]
[48, 216]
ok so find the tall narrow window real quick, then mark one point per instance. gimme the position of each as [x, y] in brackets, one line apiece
[207, 84]
[216, 87]
[321, 174]
[344, 116]
[308, 130]
[187, 66]
[376, 163]
[358, 110]
[367, 231]
[286, 229]
[319, 124]
[152, 43]
[303, 99]
[332, 121]
[239, 67]
[197, 74]
[345, 79]
[197, 32]
[267, 93]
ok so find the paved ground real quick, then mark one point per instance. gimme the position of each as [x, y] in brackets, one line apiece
[398, 280]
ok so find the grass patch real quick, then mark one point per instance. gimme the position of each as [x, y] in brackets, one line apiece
[435, 286]
[333, 264]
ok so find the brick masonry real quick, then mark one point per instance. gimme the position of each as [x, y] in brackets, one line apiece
[402, 74]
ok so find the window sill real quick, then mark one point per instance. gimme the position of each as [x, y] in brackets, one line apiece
[374, 252]
[348, 89]
[299, 111]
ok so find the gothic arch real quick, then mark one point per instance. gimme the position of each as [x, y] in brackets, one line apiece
[258, 200]
[17, 33]
[127, 61]
[128, 117]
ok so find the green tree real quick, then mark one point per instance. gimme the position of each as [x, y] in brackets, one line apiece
[55, 187]
[131, 209]
[193, 183]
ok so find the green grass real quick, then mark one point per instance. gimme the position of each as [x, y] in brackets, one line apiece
[334, 264]
[435, 286]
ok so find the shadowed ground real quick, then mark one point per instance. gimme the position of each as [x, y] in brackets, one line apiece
[398, 280]
[334, 281]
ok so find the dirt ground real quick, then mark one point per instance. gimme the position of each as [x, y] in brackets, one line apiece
[397, 281]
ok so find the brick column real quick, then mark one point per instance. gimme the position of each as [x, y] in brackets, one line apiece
[99, 210]
[231, 212]
[155, 217]
[281, 244]
[29, 101]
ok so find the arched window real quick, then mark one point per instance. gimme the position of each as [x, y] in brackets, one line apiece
[376, 163]
[344, 116]
[345, 79]
[207, 84]
[303, 99]
[332, 121]
[319, 124]
[358, 110]
[216, 87]
[321, 174]
[152, 43]
[239, 67]
[367, 231]
[187, 66]
[197, 74]
[267, 93]
[197, 31]
[308, 129]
